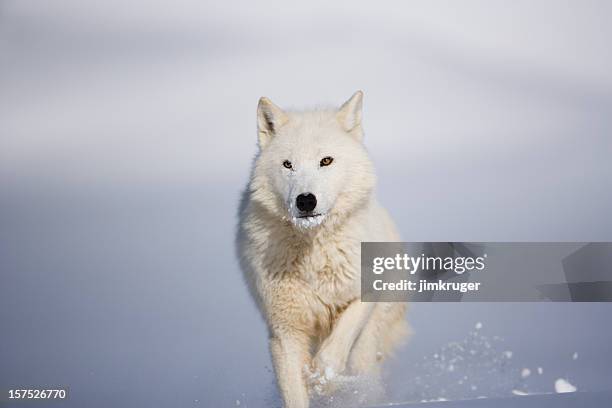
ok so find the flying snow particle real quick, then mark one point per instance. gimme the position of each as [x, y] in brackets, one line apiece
[575, 356]
[540, 370]
[525, 372]
[563, 386]
[508, 354]
[478, 326]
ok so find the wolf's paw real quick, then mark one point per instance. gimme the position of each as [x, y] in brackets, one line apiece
[324, 373]
[321, 382]
[327, 385]
[328, 363]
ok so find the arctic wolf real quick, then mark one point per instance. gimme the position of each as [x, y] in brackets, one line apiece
[308, 206]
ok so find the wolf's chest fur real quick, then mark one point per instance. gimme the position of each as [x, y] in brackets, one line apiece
[313, 277]
[328, 264]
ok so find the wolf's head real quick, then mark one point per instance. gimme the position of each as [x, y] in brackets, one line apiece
[312, 167]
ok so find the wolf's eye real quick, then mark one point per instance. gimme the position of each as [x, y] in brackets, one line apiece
[287, 164]
[326, 161]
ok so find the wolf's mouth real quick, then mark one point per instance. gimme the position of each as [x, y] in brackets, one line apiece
[309, 215]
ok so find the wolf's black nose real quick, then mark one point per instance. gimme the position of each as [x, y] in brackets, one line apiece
[306, 202]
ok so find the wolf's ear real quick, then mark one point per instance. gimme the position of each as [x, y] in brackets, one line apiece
[349, 114]
[269, 119]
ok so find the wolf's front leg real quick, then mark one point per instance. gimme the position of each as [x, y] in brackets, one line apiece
[290, 354]
[384, 331]
[333, 354]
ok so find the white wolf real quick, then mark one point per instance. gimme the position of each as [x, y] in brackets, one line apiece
[308, 206]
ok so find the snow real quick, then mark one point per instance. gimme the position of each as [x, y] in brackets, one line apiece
[563, 386]
[478, 326]
[575, 356]
[519, 392]
[525, 372]
[540, 370]
[329, 373]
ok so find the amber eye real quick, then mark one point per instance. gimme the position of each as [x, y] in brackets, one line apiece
[326, 161]
[287, 164]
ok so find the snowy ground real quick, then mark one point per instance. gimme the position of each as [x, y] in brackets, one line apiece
[126, 134]
[579, 399]
[133, 298]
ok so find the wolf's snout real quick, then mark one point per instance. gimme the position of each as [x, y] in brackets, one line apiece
[306, 202]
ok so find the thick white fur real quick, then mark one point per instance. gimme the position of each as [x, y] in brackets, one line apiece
[305, 273]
